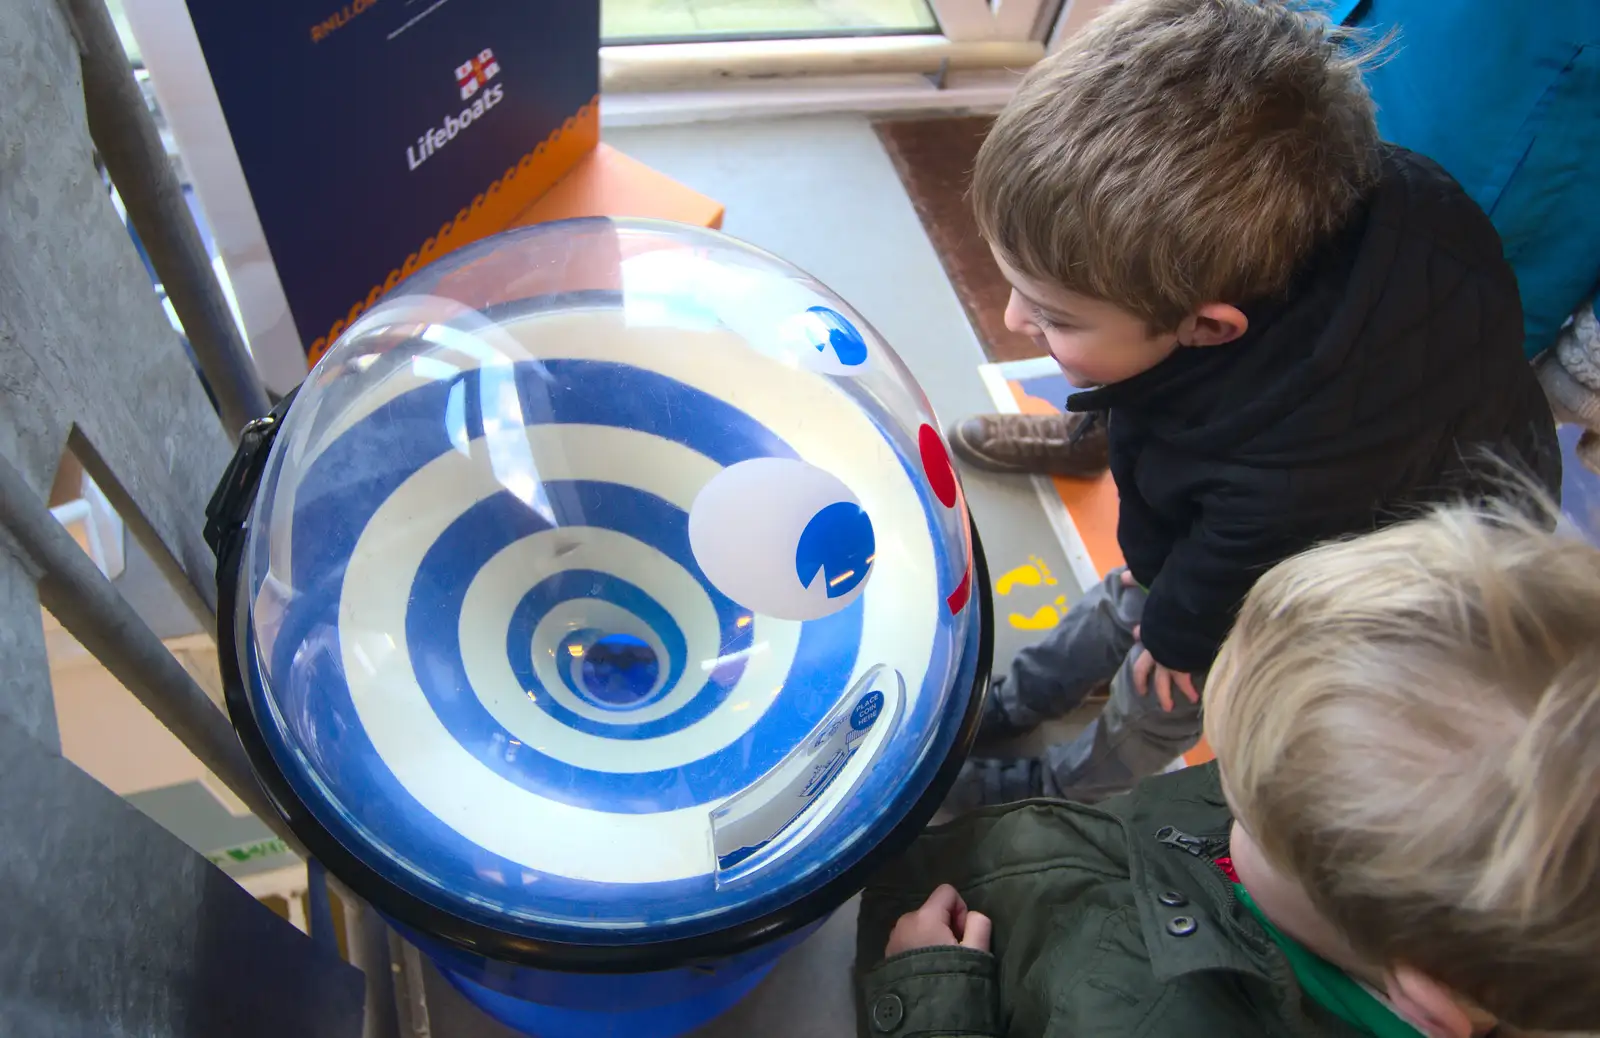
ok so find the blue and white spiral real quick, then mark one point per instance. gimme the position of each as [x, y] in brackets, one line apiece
[437, 554]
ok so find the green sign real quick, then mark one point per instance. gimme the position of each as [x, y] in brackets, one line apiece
[246, 852]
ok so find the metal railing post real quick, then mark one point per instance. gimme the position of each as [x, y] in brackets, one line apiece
[130, 145]
[99, 617]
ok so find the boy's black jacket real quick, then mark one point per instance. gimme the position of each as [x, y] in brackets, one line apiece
[1381, 383]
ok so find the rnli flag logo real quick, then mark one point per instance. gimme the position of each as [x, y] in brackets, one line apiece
[476, 73]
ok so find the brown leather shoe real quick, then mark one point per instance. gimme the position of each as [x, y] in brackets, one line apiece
[1071, 445]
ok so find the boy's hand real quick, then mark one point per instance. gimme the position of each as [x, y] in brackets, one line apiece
[942, 921]
[1146, 666]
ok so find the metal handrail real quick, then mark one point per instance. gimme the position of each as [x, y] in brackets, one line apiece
[131, 148]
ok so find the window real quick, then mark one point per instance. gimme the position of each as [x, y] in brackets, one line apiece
[682, 21]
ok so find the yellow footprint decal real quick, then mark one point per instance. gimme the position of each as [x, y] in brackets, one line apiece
[1030, 574]
[1044, 618]
[1026, 575]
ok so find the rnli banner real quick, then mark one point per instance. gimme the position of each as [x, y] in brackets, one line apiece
[377, 135]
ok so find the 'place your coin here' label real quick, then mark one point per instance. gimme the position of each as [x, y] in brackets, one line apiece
[797, 795]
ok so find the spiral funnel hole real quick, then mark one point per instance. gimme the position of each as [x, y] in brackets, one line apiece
[620, 669]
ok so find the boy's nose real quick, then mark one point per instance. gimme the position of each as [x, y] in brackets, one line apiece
[1017, 317]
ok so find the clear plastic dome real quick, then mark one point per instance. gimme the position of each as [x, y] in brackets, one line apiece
[608, 582]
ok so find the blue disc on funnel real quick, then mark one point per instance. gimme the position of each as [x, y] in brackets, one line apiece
[620, 670]
[596, 590]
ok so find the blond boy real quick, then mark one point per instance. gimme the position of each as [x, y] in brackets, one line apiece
[1400, 835]
[1297, 332]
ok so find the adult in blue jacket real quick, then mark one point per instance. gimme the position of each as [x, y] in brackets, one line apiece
[1506, 97]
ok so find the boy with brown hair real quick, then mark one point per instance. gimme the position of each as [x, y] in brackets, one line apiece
[1297, 332]
[1400, 834]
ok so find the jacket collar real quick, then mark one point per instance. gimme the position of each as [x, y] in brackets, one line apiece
[1295, 357]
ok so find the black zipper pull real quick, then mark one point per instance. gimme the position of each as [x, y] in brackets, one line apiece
[1182, 841]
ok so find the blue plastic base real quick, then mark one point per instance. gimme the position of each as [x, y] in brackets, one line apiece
[665, 1004]
[661, 1021]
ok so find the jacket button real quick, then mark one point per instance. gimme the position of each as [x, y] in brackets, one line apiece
[1172, 899]
[888, 1012]
[1182, 925]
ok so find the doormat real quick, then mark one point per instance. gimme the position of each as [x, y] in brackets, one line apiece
[934, 157]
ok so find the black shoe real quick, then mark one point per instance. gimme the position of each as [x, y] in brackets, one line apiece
[995, 725]
[989, 780]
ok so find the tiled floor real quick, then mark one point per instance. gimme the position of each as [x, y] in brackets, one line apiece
[623, 20]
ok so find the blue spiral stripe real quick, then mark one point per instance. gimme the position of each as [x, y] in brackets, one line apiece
[823, 661]
[578, 638]
[336, 499]
[350, 480]
[454, 560]
[579, 584]
[481, 532]
[347, 483]
[584, 584]
[449, 870]
[357, 473]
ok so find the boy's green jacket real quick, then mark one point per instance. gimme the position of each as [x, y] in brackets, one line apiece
[1108, 921]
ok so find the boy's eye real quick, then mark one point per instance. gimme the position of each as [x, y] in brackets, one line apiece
[1041, 319]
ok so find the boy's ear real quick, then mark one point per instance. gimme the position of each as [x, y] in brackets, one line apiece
[1212, 325]
[1428, 1005]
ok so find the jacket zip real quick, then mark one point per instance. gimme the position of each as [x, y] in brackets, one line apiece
[1197, 846]
[1208, 848]
[1200, 847]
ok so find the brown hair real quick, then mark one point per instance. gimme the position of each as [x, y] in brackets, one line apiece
[1179, 152]
[1408, 725]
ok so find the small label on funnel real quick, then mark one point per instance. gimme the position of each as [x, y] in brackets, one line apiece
[802, 789]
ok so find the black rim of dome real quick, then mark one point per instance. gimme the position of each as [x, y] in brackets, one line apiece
[235, 496]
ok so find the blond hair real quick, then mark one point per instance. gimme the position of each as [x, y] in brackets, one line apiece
[1179, 152]
[1408, 724]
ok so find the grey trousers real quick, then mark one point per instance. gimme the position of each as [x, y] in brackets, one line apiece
[1092, 645]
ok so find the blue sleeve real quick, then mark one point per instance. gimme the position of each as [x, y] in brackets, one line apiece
[1509, 105]
[1548, 214]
